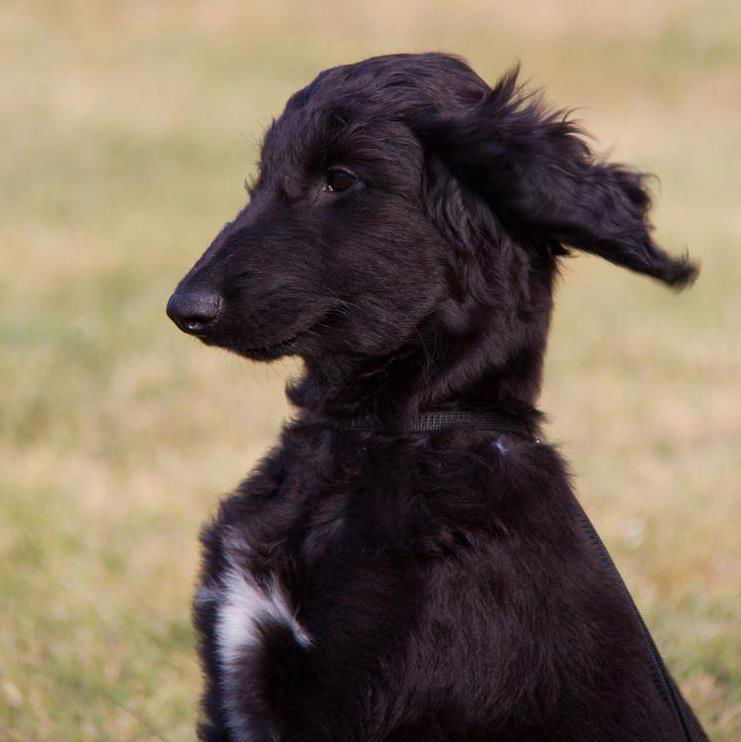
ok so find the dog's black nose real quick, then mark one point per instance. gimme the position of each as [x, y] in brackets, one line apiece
[193, 311]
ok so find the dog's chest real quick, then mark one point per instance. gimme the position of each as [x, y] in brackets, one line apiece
[248, 597]
[246, 607]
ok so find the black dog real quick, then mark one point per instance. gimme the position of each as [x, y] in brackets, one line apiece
[410, 562]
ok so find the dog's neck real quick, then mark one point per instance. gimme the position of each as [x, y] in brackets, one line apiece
[404, 385]
[479, 352]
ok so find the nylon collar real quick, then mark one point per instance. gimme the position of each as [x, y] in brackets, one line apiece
[500, 422]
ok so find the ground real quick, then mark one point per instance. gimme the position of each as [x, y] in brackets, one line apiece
[127, 130]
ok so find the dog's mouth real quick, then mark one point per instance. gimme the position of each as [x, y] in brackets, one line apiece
[290, 342]
[278, 349]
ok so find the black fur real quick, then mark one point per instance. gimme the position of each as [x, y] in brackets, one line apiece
[445, 579]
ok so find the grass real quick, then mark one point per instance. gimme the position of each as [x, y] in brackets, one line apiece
[127, 130]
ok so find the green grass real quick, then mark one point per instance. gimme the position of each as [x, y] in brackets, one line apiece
[127, 130]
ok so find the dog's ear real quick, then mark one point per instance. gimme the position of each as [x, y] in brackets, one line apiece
[535, 171]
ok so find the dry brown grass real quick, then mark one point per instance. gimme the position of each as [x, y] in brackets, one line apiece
[127, 131]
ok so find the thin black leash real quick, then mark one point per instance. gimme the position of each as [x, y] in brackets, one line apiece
[499, 422]
[661, 674]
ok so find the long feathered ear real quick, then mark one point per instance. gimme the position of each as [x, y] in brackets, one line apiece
[535, 171]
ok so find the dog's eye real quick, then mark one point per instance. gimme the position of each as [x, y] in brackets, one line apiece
[339, 180]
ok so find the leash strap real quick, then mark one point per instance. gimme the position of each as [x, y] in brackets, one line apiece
[662, 677]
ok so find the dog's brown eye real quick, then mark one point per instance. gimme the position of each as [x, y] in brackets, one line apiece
[338, 180]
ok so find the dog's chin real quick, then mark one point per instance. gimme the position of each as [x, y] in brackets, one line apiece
[271, 352]
[295, 343]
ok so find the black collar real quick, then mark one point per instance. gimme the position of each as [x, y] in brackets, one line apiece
[431, 421]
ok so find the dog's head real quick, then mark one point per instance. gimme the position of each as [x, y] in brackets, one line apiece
[404, 209]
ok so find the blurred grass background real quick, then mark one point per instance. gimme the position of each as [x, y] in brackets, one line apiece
[127, 130]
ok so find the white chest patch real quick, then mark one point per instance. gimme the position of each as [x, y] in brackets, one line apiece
[242, 604]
